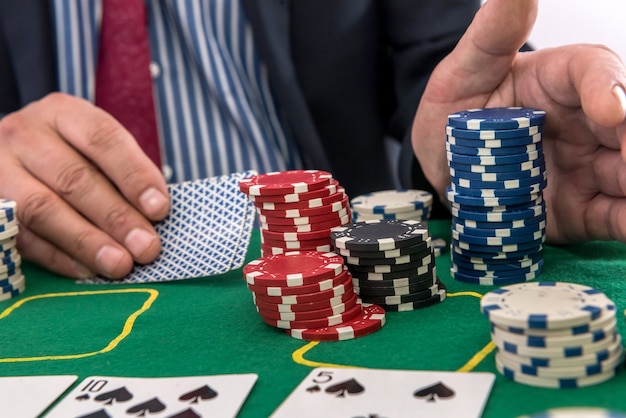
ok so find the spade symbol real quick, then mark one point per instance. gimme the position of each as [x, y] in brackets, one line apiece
[151, 405]
[187, 413]
[204, 393]
[350, 386]
[120, 395]
[438, 390]
[83, 397]
[98, 414]
[313, 389]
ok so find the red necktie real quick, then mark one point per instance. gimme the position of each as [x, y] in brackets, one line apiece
[123, 80]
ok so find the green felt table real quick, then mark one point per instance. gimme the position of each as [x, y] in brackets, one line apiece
[209, 326]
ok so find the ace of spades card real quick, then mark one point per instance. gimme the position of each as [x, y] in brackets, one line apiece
[172, 397]
[364, 393]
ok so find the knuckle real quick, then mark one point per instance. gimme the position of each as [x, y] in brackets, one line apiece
[11, 125]
[35, 209]
[116, 218]
[105, 134]
[73, 178]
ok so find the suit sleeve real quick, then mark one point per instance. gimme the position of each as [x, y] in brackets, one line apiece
[420, 33]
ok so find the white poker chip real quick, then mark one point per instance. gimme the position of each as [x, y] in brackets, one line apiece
[544, 305]
[392, 201]
[577, 412]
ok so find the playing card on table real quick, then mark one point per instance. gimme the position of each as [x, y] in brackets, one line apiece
[172, 397]
[29, 396]
[364, 393]
[207, 232]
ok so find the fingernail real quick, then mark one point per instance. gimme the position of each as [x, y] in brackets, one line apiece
[108, 258]
[618, 92]
[153, 202]
[82, 272]
[138, 241]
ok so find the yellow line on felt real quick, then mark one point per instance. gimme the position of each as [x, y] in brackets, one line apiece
[126, 330]
[298, 355]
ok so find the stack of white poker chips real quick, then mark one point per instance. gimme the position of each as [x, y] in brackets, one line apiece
[296, 209]
[411, 204]
[12, 281]
[554, 334]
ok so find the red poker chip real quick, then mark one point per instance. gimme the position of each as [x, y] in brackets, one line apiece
[307, 306]
[277, 220]
[299, 290]
[285, 182]
[304, 204]
[307, 315]
[310, 227]
[370, 320]
[330, 321]
[301, 213]
[346, 286]
[295, 236]
[328, 190]
[293, 268]
[296, 245]
[268, 250]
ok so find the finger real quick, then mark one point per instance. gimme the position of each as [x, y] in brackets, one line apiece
[88, 192]
[101, 139]
[41, 210]
[35, 249]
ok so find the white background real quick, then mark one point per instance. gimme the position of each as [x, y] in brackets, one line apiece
[562, 22]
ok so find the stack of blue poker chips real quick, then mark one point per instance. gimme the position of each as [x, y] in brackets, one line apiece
[497, 172]
[12, 281]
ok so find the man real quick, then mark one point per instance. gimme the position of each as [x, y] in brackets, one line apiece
[88, 208]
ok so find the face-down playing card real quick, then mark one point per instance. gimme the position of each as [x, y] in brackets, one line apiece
[346, 392]
[173, 397]
[207, 232]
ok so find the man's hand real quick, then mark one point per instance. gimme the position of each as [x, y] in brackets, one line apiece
[581, 87]
[86, 194]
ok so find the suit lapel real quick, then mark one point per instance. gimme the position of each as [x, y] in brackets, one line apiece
[28, 31]
[270, 22]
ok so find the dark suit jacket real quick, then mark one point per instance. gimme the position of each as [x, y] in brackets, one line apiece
[346, 73]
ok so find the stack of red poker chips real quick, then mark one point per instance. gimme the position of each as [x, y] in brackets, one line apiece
[296, 209]
[310, 294]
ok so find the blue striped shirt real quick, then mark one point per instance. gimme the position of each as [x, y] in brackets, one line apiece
[215, 109]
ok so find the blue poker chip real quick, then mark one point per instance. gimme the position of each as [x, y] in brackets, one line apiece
[491, 160]
[497, 118]
[495, 281]
[521, 213]
[497, 209]
[473, 142]
[497, 274]
[478, 151]
[488, 265]
[493, 248]
[482, 202]
[510, 192]
[497, 255]
[489, 177]
[514, 183]
[499, 168]
[500, 232]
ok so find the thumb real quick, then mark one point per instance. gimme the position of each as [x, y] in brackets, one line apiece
[483, 56]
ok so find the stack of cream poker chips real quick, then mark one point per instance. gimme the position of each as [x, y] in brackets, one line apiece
[408, 204]
[391, 262]
[498, 175]
[296, 209]
[553, 334]
[12, 281]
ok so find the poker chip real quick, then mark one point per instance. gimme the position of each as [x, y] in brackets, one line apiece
[379, 235]
[322, 303]
[501, 143]
[321, 286]
[293, 268]
[439, 297]
[268, 250]
[332, 188]
[310, 314]
[308, 227]
[416, 215]
[397, 252]
[301, 213]
[392, 201]
[505, 135]
[577, 412]
[477, 150]
[327, 217]
[327, 321]
[493, 160]
[497, 118]
[553, 334]
[371, 319]
[304, 203]
[285, 182]
[12, 279]
[459, 175]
